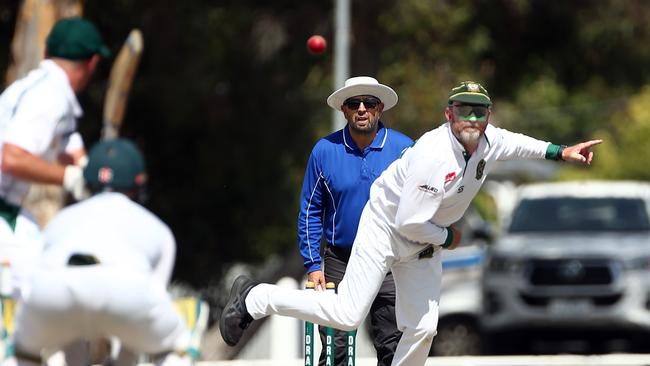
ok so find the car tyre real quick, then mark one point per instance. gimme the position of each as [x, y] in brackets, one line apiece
[457, 337]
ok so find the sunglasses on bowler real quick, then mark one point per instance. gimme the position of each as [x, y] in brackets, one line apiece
[368, 102]
[465, 111]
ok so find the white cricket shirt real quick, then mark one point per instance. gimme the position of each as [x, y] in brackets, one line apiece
[432, 184]
[39, 114]
[116, 230]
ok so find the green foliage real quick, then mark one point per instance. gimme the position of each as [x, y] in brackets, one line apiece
[486, 207]
[625, 148]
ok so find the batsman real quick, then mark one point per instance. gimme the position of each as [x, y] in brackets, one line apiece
[38, 133]
[407, 220]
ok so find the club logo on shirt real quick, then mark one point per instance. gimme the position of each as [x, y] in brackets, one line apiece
[450, 177]
[479, 169]
[428, 189]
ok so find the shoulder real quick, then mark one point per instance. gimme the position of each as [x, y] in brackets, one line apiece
[496, 134]
[45, 97]
[39, 91]
[148, 217]
[398, 137]
[440, 133]
[328, 143]
[436, 143]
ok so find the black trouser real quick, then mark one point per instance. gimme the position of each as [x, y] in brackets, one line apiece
[383, 325]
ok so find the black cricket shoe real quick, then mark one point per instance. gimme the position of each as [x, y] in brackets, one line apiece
[235, 318]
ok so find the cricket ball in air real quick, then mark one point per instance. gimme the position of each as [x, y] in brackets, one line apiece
[316, 44]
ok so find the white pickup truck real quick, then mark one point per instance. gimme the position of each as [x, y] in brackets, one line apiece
[571, 268]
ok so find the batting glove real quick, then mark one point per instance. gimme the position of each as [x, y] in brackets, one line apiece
[83, 161]
[73, 182]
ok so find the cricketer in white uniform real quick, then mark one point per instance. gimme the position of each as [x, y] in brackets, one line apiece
[408, 218]
[38, 123]
[104, 270]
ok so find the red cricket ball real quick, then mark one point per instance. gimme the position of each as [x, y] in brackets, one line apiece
[316, 44]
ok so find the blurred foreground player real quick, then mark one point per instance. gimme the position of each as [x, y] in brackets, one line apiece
[104, 270]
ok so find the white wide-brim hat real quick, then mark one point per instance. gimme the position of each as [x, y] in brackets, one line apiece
[363, 85]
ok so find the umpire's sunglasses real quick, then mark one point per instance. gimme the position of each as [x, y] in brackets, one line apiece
[368, 102]
[465, 111]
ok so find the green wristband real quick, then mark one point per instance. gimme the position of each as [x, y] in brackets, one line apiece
[554, 152]
[449, 240]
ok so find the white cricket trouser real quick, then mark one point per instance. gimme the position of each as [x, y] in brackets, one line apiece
[375, 251]
[66, 304]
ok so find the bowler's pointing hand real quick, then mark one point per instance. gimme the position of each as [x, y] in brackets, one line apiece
[580, 153]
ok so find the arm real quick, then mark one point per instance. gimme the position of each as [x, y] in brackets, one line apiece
[421, 197]
[516, 145]
[310, 225]
[519, 146]
[22, 164]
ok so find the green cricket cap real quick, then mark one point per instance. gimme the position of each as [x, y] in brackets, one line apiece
[115, 164]
[75, 38]
[470, 92]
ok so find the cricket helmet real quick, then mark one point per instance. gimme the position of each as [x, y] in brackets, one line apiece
[115, 165]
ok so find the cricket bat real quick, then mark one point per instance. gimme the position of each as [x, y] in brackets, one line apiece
[119, 84]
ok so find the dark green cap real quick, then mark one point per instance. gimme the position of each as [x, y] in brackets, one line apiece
[75, 38]
[115, 164]
[470, 92]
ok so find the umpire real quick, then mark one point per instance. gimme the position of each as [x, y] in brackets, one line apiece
[341, 168]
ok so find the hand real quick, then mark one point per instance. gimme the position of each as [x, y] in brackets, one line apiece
[580, 153]
[318, 278]
[74, 182]
[457, 236]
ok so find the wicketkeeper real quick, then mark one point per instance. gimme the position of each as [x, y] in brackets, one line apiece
[104, 271]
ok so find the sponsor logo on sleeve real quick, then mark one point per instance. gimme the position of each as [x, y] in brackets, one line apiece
[428, 189]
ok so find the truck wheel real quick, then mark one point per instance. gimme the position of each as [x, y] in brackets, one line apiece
[456, 337]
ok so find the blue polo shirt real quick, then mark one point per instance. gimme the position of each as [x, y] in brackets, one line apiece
[336, 187]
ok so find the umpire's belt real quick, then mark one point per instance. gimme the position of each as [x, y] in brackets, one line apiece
[9, 212]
